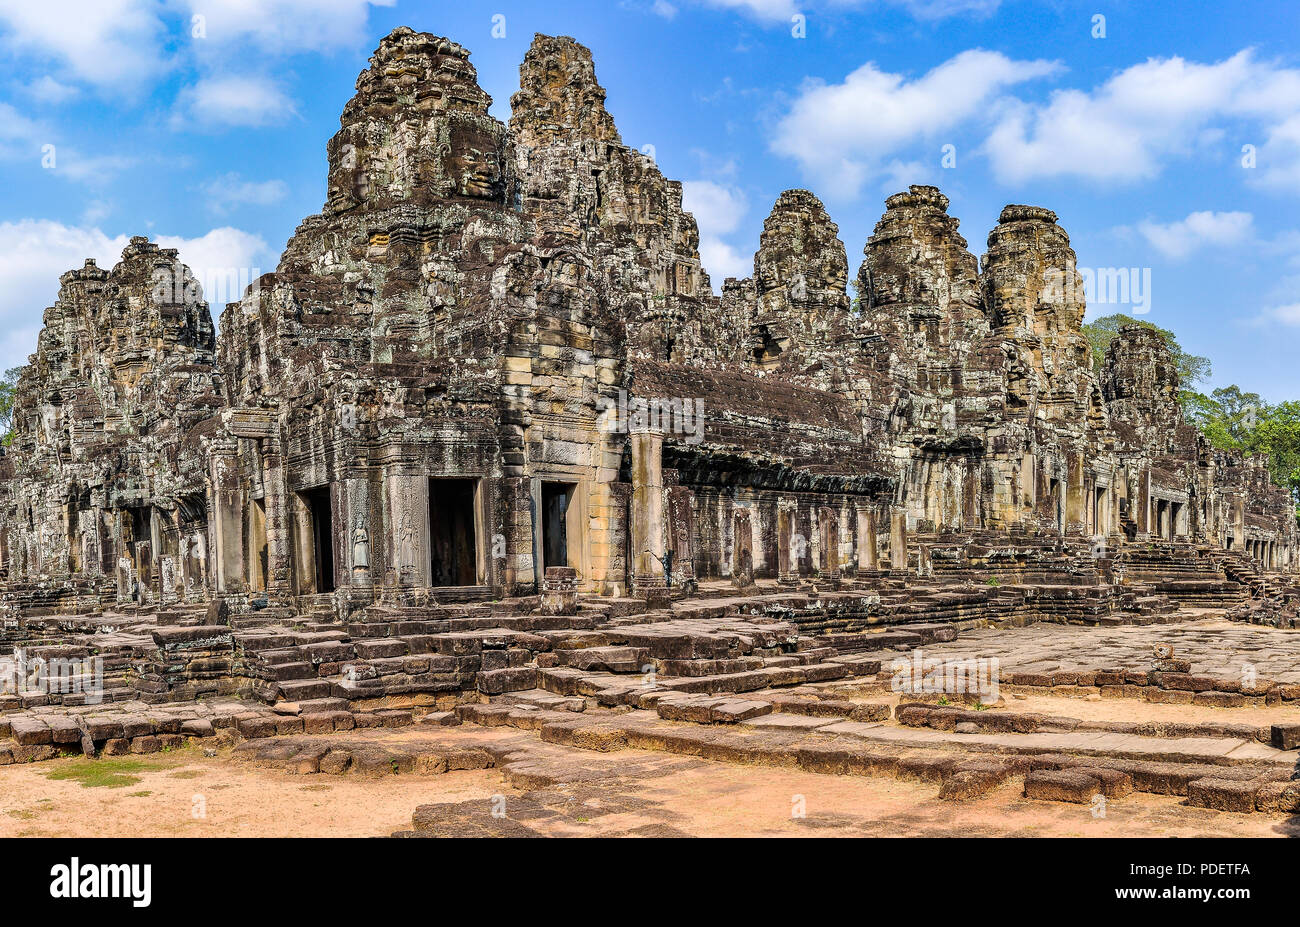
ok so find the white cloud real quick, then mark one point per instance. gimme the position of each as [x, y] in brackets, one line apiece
[844, 133]
[664, 8]
[1278, 161]
[49, 91]
[1181, 238]
[768, 10]
[283, 26]
[1128, 128]
[721, 260]
[34, 253]
[19, 136]
[96, 211]
[1287, 315]
[718, 210]
[231, 190]
[233, 100]
[95, 170]
[112, 44]
[773, 11]
[225, 261]
[23, 139]
[941, 9]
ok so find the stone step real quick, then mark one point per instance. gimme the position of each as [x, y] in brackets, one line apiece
[606, 659]
[285, 672]
[1219, 751]
[297, 690]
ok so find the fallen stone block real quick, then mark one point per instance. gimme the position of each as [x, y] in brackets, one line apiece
[1286, 736]
[1113, 782]
[1278, 797]
[1222, 794]
[1061, 785]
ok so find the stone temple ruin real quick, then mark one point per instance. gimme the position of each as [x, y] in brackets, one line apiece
[488, 429]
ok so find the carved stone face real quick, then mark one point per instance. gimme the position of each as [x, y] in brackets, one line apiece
[474, 162]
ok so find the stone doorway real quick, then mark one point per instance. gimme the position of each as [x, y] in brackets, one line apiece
[556, 500]
[453, 551]
[320, 511]
[257, 552]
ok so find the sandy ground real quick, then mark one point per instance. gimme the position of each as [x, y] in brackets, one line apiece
[235, 801]
[700, 798]
[1130, 709]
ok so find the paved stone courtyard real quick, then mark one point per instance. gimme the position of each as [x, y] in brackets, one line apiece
[843, 757]
[1212, 646]
[557, 791]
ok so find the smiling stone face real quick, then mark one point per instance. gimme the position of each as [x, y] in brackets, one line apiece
[473, 163]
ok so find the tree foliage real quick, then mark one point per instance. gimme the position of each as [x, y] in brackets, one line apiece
[1234, 420]
[1192, 368]
[1230, 418]
[8, 387]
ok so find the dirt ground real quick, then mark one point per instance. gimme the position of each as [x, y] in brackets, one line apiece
[185, 793]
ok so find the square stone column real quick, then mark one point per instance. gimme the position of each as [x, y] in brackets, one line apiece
[279, 538]
[227, 520]
[898, 539]
[868, 551]
[828, 530]
[408, 512]
[357, 551]
[648, 514]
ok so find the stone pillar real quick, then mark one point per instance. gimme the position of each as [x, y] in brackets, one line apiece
[1075, 513]
[828, 529]
[1028, 495]
[786, 569]
[742, 549]
[1142, 508]
[898, 539]
[648, 514]
[227, 520]
[408, 513]
[304, 545]
[360, 540]
[279, 540]
[868, 552]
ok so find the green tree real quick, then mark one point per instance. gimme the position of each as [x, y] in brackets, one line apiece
[1192, 368]
[8, 388]
[1235, 420]
[1226, 417]
[1276, 432]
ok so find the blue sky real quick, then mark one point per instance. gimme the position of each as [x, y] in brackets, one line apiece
[1166, 136]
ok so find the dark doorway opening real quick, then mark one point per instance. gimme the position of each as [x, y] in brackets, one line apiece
[258, 563]
[142, 538]
[322, 530]
[556, 498]
[452, 546]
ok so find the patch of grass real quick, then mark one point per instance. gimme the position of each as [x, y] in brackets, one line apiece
[109, 773]
[145, 794]
[186, 774]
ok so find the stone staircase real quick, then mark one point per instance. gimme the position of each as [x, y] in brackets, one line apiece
[1222, 765]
